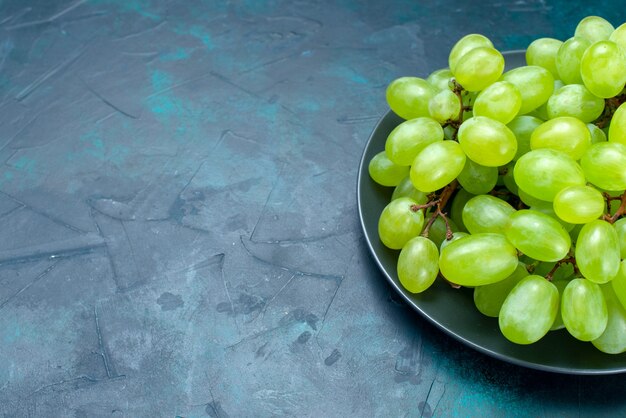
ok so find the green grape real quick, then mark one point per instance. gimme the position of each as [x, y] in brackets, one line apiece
[620, 228]
[398, 223]
[597, 134]
[603, 165]
[542, 173]
[508, 180]
[406, 189]
[579, 204]
[440, 78]
[558, 320]
[534, 83]
[597, 251]
[411, 137]
[619, 36]
[485, 213]
[522, 127]
[617, 128]
[584, 310]
[500, 101]
[542, 52]
[437, 165]
[489, 298]
[529, 310]
[568, 59]
[464, 45]
[575, 100]
[476, 178]
[619, 284]
[408, 97]
[479, 68]
[538, 235]
[438, 230]
[487, 141]
[455, 236]
[459, 201]
[478, 259]
[418, 264]
[613, 339]
[444, 106]
[594, 28]
[602, 69]
[566, 134]
[384, 172]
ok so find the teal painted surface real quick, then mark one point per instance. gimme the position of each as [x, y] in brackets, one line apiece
[178, 222]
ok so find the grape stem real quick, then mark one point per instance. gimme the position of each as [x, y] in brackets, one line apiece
[570, 259]
[439, 203]
[620, 211]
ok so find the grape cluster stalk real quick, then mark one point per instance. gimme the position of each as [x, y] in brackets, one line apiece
[514, 183]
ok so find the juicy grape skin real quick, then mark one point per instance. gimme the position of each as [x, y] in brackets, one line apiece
[478, 259]
[418, 264]
[398, 223]
[584, 310]
[529, 310]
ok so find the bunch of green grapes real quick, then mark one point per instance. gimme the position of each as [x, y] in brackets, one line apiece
[513, 183]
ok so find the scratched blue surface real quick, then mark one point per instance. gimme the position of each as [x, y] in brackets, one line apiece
[179, 234]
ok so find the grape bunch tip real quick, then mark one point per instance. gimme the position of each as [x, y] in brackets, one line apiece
[513, 183]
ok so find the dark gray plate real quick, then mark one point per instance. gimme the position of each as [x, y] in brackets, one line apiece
[453, 311]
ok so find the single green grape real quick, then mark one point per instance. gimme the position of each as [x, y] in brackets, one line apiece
[538, 235]
[594, 28]
[542, 173]
[408, 97]
[384, 172]
[579, 204]
[529, 310]
[486, 213]
[489, 298]
[619, 36]
[464, 45]
[597, 134]
[597, 251]
[620, 228]
[476, 178]
[576, 101]
[560, 285]
[418, 264]
[500, 101]
[459, 201]
[617, 128]
[444, 106]
[602, 69]
[487, 141]
[534, 83]
[398, 223]
[543, 52]
[523, 127]
[440, 78]
[437, 165]
[603, 165]
[479, 68]
[584, 310]
[568, 59]
[565, 133]
[406, 189]
[613, 339]
[410, 137]
[478, 259]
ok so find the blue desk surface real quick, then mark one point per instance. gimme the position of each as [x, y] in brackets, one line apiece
[178, 222]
